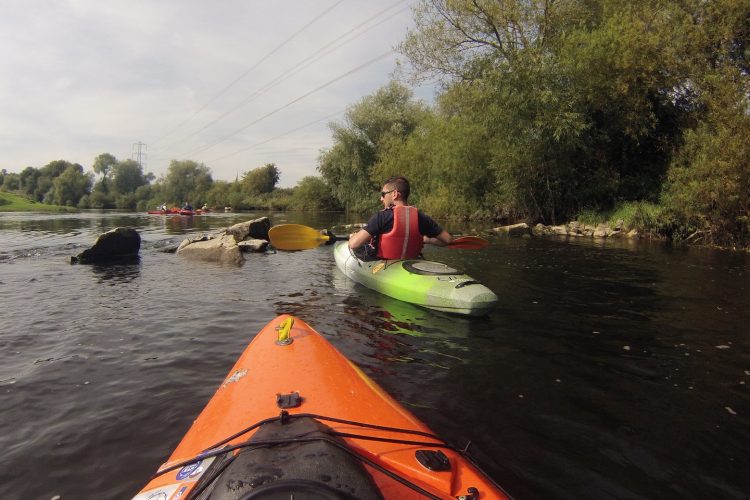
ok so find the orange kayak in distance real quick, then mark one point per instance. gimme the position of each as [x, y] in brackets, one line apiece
[294, 418]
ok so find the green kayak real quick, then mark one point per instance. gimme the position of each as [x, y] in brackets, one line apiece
[421, 282]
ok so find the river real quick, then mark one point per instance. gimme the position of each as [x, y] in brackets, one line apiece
[614, 369]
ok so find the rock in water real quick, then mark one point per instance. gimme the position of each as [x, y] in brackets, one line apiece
[226, 246]
[222, 249]
[117, 244]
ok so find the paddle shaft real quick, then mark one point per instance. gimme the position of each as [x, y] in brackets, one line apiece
[299, 237]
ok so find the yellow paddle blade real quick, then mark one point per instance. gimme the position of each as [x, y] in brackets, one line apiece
[296, 237]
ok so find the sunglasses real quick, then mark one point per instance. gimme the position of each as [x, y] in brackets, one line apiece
[383, 193]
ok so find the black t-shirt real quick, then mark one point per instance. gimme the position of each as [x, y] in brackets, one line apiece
[382, 223]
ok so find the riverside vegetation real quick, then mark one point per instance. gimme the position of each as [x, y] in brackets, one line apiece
[595, 110]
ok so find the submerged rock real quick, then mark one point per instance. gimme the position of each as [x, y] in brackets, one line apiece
[119, 244]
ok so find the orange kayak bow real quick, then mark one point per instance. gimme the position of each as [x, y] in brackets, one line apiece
[294, 418]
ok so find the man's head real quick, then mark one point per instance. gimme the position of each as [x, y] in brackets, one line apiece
[395, 191]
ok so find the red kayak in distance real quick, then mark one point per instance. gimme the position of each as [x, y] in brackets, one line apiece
[173, 210]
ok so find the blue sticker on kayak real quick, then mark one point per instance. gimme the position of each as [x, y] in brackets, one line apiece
[190, 470]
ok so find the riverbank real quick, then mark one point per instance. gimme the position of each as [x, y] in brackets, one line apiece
[603, 230]
[638, 220]
[14, 203]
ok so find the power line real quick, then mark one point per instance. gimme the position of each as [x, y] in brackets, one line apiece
[321, 87]
[278, 136]
[243, 75]
[303, 63]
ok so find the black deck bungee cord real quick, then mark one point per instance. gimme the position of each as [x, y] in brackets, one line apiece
[212, 451]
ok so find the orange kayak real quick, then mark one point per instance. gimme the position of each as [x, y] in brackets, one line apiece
[294, 418]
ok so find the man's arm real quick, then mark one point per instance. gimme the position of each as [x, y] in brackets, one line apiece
[440, 240]
[358, 239]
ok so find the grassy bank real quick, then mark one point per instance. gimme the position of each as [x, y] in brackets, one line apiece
[14, 203]
[657, 221]
[641, 215]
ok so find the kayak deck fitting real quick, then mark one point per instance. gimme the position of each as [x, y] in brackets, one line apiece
[421, 282]
[294, 418]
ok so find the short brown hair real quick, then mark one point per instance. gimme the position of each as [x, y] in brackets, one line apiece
[400, 184]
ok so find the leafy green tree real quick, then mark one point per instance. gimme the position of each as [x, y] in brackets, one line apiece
[582, 103]
[69, 187]
[312, 193]
[708, 188]
[126, 201]
[187, 180]
[101, 197]
[389, 115]
[127, 176]
[11, 182]
[446, 161]
[261, 179]
[104, 164]
[457, 40]
[708, 191]
[98, 199]
[44, 188]
[55, 168]
[220, 193]
[29, 177]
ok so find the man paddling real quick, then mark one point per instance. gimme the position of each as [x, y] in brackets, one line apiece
[399, 230]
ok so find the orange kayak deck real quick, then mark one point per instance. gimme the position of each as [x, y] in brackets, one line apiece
[328, 384]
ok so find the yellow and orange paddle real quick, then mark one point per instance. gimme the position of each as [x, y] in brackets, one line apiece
[299, 237]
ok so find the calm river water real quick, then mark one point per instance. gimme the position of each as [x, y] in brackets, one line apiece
[608, 370]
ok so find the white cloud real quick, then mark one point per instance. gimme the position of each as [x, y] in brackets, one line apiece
[84, 77]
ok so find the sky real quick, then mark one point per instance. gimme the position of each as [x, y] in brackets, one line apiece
[232, 84]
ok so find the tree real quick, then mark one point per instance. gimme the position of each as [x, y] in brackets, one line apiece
[187, 180]
[459, 39]
[127, 176]
[312, 193]
[446, 160]
[104, 164]
[55, 168]
[708, 187]
[261, 179]
[69, 187]
[386, 116]
[41, 183]
[29, 177]
[11, 182]
[582, 103]
[220, 193]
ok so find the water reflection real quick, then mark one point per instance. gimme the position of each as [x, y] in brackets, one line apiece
[380, 311]
[124, 270]
[388, 315]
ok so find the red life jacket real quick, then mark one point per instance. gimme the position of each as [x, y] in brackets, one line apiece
[404, 241]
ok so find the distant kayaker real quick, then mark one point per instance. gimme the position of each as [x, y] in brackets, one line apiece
[399, 230]
[187, 206]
